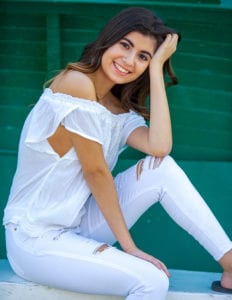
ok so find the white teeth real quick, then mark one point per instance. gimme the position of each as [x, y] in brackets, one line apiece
[121, 69]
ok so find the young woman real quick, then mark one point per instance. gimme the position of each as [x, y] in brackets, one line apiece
[65, 208]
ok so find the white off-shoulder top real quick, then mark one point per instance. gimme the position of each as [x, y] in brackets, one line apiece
[48, 191]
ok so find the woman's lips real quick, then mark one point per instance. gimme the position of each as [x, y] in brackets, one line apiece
[121, 69]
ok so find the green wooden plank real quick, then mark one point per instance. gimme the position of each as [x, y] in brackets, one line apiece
[192, 117]
[22, 95]
[193, 14]
[197, 153]
[116, 1]
[82, 20]
[71, 52]
[207, 138]
[53, 43]
[200, 63]
[62, 7]
[14, 78]
[23, 48]
[12, 33]
[9, 140]
[8, 61]
[188, 22]
[205, 30]
[215, 100]
[203, 48]
[13, 116]
[22, 20]
[204, 80]
[76, 35]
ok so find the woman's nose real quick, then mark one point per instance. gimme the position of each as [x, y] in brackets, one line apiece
[129, 59]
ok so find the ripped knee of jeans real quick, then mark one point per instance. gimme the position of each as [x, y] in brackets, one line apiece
[153, 163]
[101, 248]
[139, 168]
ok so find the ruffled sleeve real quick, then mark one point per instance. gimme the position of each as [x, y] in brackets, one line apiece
[133, 121]
[85, 123]
[80, 116]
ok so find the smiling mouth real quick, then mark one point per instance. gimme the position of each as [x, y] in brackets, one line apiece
[121, 69]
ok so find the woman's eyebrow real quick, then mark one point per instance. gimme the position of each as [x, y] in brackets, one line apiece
[132, 45]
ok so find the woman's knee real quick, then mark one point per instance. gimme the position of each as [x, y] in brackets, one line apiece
[156, 164]
[155, 282]
[157, 285]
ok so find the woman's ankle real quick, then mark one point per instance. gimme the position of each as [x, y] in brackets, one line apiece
[226, 280]
[226, 262]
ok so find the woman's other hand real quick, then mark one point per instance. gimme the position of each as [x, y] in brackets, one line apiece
[165, 50]
[156, 262]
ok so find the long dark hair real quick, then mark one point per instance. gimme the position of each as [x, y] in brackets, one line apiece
[131, 95]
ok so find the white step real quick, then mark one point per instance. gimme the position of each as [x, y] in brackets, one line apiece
[184, 285]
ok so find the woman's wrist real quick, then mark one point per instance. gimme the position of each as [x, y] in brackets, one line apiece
[156, 68]
[129, 248]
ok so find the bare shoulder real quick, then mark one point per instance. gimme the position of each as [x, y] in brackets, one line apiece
[74, 83]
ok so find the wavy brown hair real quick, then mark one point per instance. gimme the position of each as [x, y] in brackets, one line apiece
[132, 95]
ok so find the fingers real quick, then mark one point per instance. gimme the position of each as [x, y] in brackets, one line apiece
[165, 50]
[160, 265]
[171, 40]
[156, 262]
[172, 36]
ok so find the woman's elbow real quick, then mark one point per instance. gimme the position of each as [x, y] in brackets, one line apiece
[161, 151]
[95, 174]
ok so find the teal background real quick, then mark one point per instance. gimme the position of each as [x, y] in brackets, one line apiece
[38, 38]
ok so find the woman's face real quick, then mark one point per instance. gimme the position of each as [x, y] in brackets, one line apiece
[127, 59]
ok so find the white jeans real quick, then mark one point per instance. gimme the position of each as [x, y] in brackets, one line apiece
[75, 262]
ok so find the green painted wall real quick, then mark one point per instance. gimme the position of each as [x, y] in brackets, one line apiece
[38, 38]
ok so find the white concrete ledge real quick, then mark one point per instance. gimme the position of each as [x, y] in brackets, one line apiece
[184, 285]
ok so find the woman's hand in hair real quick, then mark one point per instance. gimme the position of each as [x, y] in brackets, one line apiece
[165, 50]
[156, 262]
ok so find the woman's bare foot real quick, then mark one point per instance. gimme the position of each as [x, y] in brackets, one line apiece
[226, 280]
[226, 263]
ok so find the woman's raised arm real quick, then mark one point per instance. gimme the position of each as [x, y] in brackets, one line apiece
[157, 139]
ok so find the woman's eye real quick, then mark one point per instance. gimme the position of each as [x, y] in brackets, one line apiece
[143, 57]
[125, 45]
